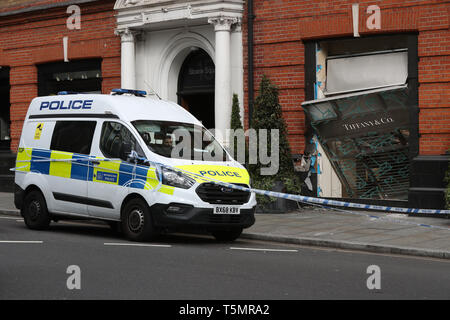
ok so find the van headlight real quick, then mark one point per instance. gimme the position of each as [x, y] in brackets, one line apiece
[176, 179]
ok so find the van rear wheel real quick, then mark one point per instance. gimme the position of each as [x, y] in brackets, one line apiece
[34, 211]
[227, 235]
[137, 222]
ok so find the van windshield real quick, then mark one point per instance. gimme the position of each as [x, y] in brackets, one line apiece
[180, 140]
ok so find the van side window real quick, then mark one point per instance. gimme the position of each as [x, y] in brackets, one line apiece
[116, 139]
[73, 136]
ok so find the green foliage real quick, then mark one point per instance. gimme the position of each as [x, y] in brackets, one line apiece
[267, 114]
[235, 123]
[235, 114]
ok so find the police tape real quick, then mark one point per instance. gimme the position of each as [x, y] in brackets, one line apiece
[322, 201]
[293, 197]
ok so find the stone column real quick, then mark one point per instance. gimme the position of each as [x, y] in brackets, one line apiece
[223, 95]
[128, 58]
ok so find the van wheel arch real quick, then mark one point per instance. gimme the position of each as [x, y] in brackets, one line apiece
[31, 188]
[127, 199]
[136, 219]
[34, 209]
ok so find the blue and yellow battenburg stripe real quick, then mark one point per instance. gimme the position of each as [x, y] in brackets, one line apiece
[77, 166]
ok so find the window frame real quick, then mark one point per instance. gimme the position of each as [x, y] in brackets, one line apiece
[55, 128]
[204, 130]
[130, 130]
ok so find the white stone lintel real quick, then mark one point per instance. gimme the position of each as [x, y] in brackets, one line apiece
[150, 14]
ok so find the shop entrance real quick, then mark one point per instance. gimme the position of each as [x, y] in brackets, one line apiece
[4, 108]
[196, 86]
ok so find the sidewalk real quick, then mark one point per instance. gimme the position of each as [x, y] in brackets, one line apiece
[354, 230]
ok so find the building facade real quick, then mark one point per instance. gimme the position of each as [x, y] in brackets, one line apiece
[364, 86]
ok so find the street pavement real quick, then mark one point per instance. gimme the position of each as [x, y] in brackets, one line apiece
[83, 260]
[342, 229]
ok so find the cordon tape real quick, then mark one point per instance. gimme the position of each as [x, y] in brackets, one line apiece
[299, 198]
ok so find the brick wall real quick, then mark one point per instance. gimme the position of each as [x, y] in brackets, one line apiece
[281, 26]
[36, 37]
[13, 5]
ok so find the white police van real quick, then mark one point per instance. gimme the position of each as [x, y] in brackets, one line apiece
[111, 157]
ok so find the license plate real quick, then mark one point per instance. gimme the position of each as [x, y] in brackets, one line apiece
[227, 210]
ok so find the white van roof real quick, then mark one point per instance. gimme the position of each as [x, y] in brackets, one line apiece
[124, 107]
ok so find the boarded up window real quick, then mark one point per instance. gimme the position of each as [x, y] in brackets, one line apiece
[366, 71]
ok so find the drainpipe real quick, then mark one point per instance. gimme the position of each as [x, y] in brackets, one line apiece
[250, 18]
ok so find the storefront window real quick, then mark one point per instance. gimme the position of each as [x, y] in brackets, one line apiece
[362, 114]
[366, 138]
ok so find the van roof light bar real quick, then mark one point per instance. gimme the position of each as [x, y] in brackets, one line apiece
[62, 93]
[138, 93]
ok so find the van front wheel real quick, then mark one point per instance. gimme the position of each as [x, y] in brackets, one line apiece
[34, 211]
[136, 221]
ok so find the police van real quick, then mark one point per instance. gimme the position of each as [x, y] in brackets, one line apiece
[115, 158]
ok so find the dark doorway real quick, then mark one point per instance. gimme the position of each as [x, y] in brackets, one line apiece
[5, 105]
[196, 86]
[78, 76]
[201, 105]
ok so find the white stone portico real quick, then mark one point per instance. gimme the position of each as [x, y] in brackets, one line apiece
[158, 35]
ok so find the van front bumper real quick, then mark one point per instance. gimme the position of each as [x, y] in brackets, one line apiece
[189, 217]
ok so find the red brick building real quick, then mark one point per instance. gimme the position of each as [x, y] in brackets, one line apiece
[31, 39]
[300, 45]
